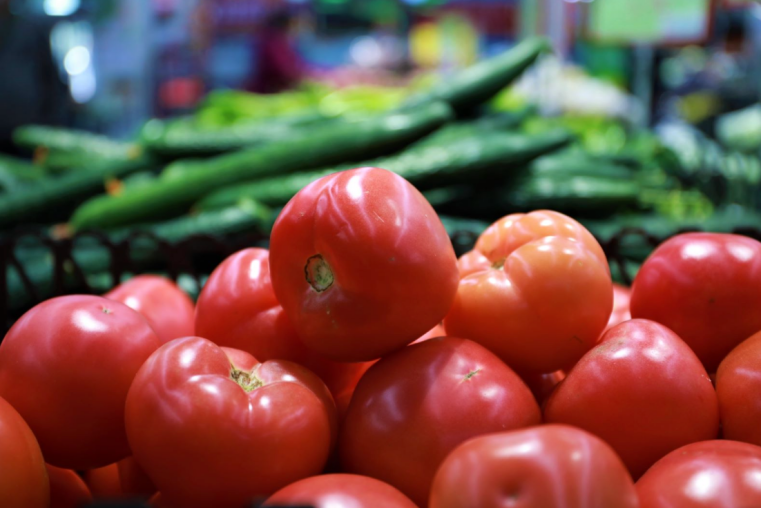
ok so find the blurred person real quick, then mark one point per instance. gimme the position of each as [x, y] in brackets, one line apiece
[31, 90]
[279, 65]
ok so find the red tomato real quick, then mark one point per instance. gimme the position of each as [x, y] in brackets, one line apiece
[67, 489]
[416, 405]
[168, 309]
[210, 434]
[546, 298]
[706, 287]
[642, 390]
[621, 297]
[548, 466]
[436, 331]
[473, 262]
[66, 366]
[738, 384]
[237, 308]
[104, 482]
[133, 480]
[542, 385]
[711, 474]
[340, 491]
[361, 264]
[25, 483]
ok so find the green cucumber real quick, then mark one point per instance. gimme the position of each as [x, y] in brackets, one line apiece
[316, 147]
[572, 193]
[21, 170]
[74, 142]
[479, 83]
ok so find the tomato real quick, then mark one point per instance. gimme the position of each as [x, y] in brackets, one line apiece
[416, 405]
[209, 433]
[706, 287]
[168, 309]
[473, 262]
[237, 308]
[133, 480]
[340, 491]
[621, 298]
[548, 466]
[738, 382]
[436, 331]
[361, 264]
[642, 390]
[546, 297]
[23, 478]
[710, 474]
[66, 366]
[542, 385]
[67, 489]
[104, 482]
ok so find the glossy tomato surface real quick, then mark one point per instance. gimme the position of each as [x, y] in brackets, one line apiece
[340, 491]
[706, 287]
[549, 466]
[168, 309]
[362, 264]
[23, 478]
[211, 434]
[544, 300]
[67, 488]
[66, 366]
[238, 308]
[710, 474]
[642, 390]
[542, 385]
[738, 385]
[416, 405]
[621, 310]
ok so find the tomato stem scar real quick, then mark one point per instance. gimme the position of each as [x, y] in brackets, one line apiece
[247, 380]
[318, 273]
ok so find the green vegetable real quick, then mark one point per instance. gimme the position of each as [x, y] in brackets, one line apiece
[741, 130]
[71, 141]
[319, 146]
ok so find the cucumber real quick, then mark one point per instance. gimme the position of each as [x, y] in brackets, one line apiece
[479, 83]
[56, 139]
[425, 165]
[571, 194]
[315, 147]
[183, 137]
[49, 198]
[21, 170]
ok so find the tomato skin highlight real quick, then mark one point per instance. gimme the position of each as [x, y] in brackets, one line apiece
[621, 306]
[414, 406]
[706, 287]
[168, 309]
[67, 489]
[194, 429]
[554, 466]
[642, 390]
[238, 308]
[544, 300]
[709, 474]
[66, 366]
[737, 386]
[25, 484]
[361, 264]
[340, 491]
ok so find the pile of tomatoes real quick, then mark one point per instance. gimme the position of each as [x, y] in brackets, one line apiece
[358, 363]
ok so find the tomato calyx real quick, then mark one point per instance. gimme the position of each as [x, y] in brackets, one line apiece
[245, 379]
[318, 273]
[499, 264]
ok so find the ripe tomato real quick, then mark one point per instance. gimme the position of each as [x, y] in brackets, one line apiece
[436, 331]
[133, 480]
[545, 466]
[104, 482]
[642, 390]
[23, 479]
[67, 489]
[211, 434]
[710, 474]
[542, 385]
[706, 287]
[340, 491]
[168, 309]
[473, 262]
[237, 308]
[621, 298]
[66, 366]
[546, 297]
[738, 382]
[416, 405]
[361, 264]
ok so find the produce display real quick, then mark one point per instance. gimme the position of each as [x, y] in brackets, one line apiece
[349, 357]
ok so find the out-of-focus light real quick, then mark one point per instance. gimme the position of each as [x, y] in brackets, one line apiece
[60, 7]
[83, 86]
[77, 60]
[366, 52]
